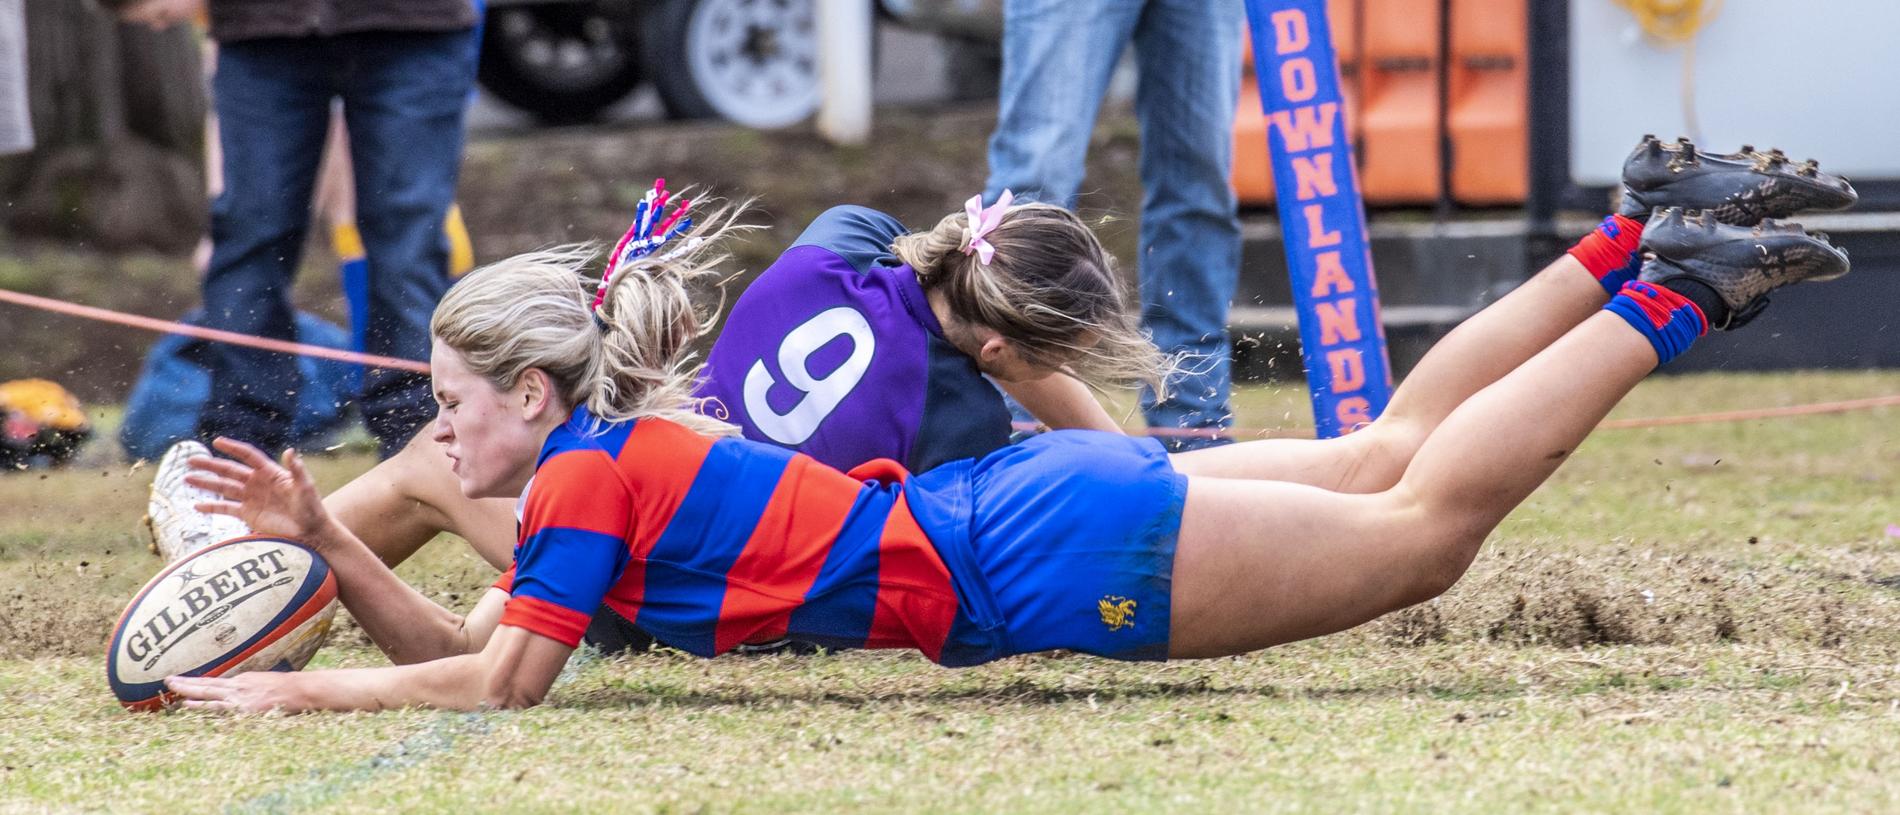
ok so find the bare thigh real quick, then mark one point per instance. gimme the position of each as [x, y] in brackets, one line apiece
[1259, 563]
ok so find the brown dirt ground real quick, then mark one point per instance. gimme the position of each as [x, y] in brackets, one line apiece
[1521, 597]
[1512, 598]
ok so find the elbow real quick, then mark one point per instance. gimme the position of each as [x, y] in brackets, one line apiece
[512, 692]
[512, 698]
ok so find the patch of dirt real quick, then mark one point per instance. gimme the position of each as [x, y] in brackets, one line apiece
[62, 610]
[521, 193]
[1514, 599]
[1638, 598]
[1418, 625]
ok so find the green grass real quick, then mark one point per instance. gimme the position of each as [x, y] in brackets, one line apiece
[1653, 630]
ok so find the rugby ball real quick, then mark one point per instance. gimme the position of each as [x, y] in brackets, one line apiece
[247, 604]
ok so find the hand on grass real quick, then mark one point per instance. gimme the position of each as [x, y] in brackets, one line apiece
[253, 692]
[272, 497]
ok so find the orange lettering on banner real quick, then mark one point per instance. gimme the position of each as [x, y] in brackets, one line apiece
[1338, 321]
[1289, 31]
[1330, 277]
[1352, 413]
[1306, 127]
[1349, 369]
[1298, 80]
[1315, 174]
[1316, 234]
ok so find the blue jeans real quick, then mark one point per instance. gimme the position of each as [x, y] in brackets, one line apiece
[403, 95]
[1058, 56]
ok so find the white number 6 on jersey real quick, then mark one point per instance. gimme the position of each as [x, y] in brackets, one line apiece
[821, 396]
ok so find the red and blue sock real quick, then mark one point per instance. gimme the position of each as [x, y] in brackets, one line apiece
[1668, 320]
[1610, 253]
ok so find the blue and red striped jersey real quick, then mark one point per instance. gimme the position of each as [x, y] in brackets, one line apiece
[709, 543]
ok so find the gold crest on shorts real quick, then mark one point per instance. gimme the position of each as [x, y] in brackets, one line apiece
[1117, 612]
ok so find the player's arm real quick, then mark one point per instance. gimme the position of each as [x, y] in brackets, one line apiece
[1061, 402]
[514, 670]
[280, 498]
[405, 624]
[523, 641]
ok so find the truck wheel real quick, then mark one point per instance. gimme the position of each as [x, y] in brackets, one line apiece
[753, 62]
[563, 62]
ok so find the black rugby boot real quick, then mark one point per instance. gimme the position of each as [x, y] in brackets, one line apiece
[1738, 188]
[1741, 264]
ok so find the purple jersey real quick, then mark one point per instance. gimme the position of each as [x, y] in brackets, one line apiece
[834, 352]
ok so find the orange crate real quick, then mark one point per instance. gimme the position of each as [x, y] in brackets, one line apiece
[1253, 164]
[1399, 122]
[1488, 116]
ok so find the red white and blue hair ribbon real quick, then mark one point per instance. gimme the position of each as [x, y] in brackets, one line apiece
[652, 228]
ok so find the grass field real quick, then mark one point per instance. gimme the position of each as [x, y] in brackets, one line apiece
[1697, 618]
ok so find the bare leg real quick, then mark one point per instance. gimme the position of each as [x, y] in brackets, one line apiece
[1477, 353]
[406, 501]
[1261, 563]
[335, 199]
[214, 160]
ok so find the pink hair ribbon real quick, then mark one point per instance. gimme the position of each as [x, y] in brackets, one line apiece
[983, 222]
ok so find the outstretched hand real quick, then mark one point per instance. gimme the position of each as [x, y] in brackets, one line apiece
[250, 692]
[272, 497]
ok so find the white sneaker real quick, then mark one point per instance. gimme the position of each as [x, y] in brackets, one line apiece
[172, 518]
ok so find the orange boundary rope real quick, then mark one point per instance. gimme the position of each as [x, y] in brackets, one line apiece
[375, 361]
[217, 335]
[1814, 409]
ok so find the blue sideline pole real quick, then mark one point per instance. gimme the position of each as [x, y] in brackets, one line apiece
[1322, 217]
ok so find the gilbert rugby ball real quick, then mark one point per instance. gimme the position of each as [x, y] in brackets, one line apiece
[247, 604]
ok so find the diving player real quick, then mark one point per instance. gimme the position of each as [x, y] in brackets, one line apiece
[1079, 540]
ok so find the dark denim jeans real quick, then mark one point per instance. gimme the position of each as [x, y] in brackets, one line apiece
[403, 99]
[1058, 57]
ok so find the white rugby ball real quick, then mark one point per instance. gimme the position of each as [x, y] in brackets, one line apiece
[247, 604]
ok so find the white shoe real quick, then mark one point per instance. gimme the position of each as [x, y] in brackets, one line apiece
[172, 518]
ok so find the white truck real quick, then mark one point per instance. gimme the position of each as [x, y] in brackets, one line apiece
[754, 62]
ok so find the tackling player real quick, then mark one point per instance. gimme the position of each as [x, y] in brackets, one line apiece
[863, 341]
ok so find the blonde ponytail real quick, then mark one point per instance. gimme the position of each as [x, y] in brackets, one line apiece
[630, 360]
[652, 317]
[1050, 289]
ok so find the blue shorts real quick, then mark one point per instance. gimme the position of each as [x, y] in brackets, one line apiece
[1064, 541]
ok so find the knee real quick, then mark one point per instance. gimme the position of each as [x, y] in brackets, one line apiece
[1445, 544]
[1036, 166]
[1397, 435]
[251, 218]
[1444, 566]
[402, 213]
[1376, 456]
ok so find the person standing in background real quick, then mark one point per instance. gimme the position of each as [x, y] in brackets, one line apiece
[1058, 57]
[16, 123]
[401, 69]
